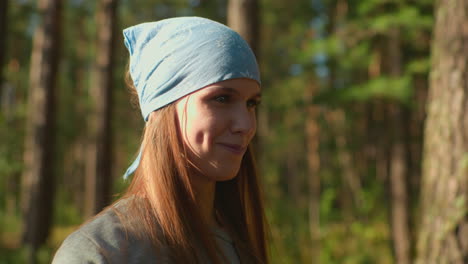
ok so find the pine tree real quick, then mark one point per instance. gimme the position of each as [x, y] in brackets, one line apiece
[38, 180]
[443, 230]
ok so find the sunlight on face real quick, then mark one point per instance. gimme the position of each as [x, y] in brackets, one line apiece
[216, 124]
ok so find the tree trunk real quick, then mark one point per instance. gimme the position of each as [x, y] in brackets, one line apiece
[443, 234]
[98, 178]
[350, 178]
[76, 160]
[313, 164]
[3, 41]
[243, 18]
[398, 162]
[292, 177]
[38, 179]
[398, 189]
[415, 126]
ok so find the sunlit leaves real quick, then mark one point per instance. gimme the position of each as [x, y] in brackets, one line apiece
[383, 87]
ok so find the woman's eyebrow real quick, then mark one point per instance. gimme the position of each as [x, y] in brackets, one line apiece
[234, 91]
[226, 89]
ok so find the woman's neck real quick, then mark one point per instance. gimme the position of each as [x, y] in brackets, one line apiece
[204, 195]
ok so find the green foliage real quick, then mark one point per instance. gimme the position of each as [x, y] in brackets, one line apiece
[354, 238]
[398, 89]
[12, 256]
[406, 17]
[419, 66]
[343, 60]
[290, 231]
[68, 215]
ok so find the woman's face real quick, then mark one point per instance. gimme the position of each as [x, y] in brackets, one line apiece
[216, 124]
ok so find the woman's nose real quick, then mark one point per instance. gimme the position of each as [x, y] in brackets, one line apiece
[244, 121]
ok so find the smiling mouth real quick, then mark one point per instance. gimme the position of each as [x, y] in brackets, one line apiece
[233, 148]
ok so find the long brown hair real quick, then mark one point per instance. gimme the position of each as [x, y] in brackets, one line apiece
[169, 214]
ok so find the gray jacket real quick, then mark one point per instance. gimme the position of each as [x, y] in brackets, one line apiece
[104, 240]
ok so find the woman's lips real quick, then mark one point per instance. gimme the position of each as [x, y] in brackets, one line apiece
[234, 148]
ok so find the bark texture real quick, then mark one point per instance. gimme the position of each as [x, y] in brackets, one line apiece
[243, 18]
[398, 161]
[443, 234]
[3, 40]
[38, 181]
[312, 131]
[98, 178]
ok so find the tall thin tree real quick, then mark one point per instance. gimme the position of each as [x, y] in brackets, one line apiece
[398, 173]
[243, 17]
[312, 132]
[4, 39]
[38, 181]
[443, 234]
[98, 178]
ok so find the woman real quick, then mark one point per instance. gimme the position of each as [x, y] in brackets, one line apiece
[195, 196]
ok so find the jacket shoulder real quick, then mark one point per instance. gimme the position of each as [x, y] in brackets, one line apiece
[105, 239]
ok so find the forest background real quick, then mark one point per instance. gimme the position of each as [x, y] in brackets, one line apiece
[340, 141]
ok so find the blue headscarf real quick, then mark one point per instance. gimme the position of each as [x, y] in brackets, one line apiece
[174, 57]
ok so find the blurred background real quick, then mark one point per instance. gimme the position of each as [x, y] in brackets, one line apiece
[340, 127]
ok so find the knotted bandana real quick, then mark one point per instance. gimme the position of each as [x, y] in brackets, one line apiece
[172, 58]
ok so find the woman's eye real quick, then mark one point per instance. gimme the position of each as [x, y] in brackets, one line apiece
[253, 103]
[222, 99]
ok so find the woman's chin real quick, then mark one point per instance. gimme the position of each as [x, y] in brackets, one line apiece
[225, 174]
